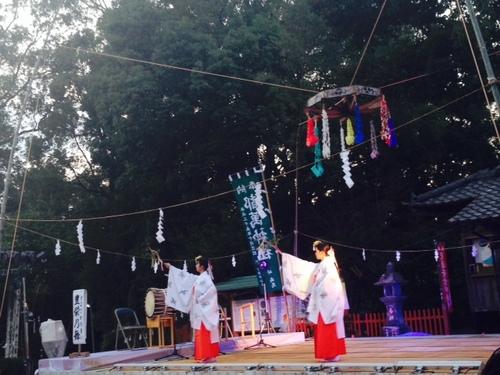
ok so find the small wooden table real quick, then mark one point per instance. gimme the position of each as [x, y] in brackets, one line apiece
[160, 323]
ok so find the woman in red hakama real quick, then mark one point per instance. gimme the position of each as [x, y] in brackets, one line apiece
[197, 296]
[204, 350]
[327, 298]
[327, 346]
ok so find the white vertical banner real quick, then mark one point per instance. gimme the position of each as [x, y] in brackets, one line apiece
[79, 333]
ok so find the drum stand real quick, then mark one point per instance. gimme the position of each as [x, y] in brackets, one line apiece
[267, 324]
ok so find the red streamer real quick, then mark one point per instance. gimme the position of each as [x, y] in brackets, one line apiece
[311, 139]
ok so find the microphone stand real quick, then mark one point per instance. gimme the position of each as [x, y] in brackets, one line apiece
[267, 324]
[175, 353]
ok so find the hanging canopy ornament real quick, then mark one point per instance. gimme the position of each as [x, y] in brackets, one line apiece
[341, 102]
[352, 105]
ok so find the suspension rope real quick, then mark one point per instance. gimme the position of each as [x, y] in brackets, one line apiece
[368, 42]
[18, 214]
[492, 118]
[191, 70]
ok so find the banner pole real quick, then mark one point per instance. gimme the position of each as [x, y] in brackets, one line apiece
[275, 241]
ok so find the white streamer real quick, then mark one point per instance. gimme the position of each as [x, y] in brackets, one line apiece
[159, 233]
[325, 135]
[79, 231]
[344, 156]
[57, 250]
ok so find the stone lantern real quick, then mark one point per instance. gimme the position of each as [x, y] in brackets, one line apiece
[393, 299]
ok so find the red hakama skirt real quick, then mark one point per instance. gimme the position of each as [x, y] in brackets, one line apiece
[204, 349]
[326, 343]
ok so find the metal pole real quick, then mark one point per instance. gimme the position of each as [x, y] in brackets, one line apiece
[91, 326]
[26, 327]
[15, 137]
[490, 74]
[296, 226]
[293, 319]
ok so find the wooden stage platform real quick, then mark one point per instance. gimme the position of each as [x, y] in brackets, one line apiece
[461, 354]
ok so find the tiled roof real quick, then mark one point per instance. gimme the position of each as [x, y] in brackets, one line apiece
[482, 189]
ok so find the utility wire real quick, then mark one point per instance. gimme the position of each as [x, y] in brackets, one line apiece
[384, 250]
[109, 251]
[245, 252]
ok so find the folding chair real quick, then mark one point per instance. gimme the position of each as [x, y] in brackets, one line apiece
[128, 324]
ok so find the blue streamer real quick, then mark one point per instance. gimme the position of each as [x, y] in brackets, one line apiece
[394, 139]
[317, 169]
[358, 123]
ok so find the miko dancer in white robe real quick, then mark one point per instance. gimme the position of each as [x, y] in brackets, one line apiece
[197, 296]
[327, 298]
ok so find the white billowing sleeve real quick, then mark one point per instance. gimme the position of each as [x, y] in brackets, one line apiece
[297, 274]
[180, 292]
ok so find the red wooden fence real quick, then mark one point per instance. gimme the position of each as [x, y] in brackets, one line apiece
[430, 321]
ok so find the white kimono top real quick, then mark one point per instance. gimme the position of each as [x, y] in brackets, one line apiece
[321, 282]
[196, 296]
